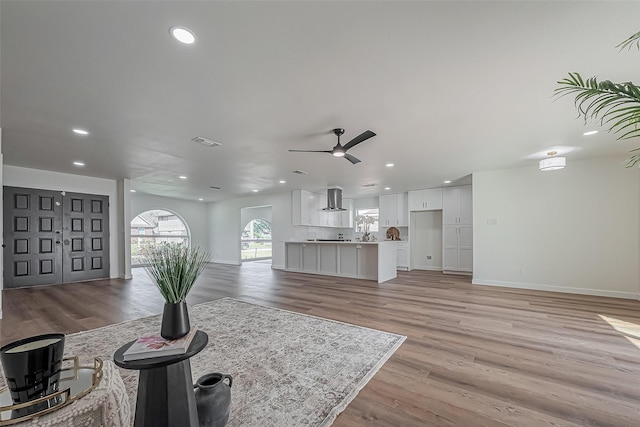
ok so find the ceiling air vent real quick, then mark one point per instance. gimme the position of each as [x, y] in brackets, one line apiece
[299, 172]
[206, 142]
[213, 187]
[368, 185]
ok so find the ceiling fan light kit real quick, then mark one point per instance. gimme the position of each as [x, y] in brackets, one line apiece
[340, 150]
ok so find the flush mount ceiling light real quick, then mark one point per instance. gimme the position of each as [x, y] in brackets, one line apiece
[552, 163]
[255, 191]
[387, 188]
[183, 35]
[132, 191]
[200, 199]
[205, 141]
[182, 177]
[78, 163]
[447, 182]
[282, 181]
[389, 165]
[591, 132]
[80, 131]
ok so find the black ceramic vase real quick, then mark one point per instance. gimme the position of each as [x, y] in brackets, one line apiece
[175, 320]
[32, 368]
[213, 399]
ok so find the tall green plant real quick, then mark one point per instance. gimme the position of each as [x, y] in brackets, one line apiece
[616, 105]
[174, 268]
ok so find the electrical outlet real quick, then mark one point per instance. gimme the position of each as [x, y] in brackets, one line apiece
[428, 256]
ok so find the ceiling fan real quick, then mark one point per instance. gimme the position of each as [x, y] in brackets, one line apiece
[341, 150]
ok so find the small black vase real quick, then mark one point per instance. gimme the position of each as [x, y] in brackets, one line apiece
[175, 320]
[213, 399]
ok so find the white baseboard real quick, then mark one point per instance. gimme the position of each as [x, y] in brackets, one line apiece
[552, 288]
[419, 267]
[277, 267]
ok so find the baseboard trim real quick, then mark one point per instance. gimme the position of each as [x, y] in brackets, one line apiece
[551, 288]
[277, 267]
[418, 267]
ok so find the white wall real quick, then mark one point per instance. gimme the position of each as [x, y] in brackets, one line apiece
[573, 230]
[194, 214]
[226, 226]
[14, 176]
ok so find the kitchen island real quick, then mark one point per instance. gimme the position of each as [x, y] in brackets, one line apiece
[361, 260]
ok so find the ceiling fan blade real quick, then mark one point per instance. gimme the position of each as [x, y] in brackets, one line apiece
[312, 151]
[358, 139]
[352, 159]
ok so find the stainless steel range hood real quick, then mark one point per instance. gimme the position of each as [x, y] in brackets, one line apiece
[334, 200]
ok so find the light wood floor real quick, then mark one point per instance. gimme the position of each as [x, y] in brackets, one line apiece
[475, 355]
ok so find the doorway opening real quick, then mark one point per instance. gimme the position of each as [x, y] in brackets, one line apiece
[153, 227]
[255, 243]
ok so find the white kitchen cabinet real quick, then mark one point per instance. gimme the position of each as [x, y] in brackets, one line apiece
[457, 206]
[393, 210]
[457, 248]
[346, 216]
[425, 200]
[304, 208]
[402, 255]
[307, 209]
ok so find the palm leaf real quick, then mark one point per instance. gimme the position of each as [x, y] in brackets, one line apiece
[628, 43]
[616, 105]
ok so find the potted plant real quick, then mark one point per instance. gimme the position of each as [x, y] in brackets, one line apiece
[174, 268]
[363, 222]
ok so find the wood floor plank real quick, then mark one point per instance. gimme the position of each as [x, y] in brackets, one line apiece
[474, 356]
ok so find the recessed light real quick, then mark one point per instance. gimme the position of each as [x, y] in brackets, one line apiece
[183, 35]
[255, 191]
[200, 199]
[182, 177]
[282, 181]
[80, 131]
[389, 165]
[591, 132]
[79, 163]
[132, 191]
[387, 188]
[447, 182]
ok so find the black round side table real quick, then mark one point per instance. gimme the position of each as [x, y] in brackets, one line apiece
[165, 390]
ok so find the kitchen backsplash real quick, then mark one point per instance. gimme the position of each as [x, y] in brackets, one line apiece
[302, 232]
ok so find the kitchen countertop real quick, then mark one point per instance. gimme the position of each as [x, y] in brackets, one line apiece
[343, 242]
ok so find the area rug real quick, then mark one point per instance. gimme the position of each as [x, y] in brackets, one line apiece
[288, 369]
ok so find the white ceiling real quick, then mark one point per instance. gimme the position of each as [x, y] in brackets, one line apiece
[450, 88]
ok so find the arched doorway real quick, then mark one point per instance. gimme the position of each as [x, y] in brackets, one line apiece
[255, 243]
[154, 227]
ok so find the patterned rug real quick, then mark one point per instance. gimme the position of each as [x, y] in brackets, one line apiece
[288, 369]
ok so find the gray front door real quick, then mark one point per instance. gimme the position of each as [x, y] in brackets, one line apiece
[85, 237]
[32, 237]
[54, 237]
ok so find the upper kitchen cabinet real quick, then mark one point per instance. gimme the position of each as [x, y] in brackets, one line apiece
[457, 206]
[307, 209]
[393, 210]
[304, 205]
[425, 200]
[346, 216]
